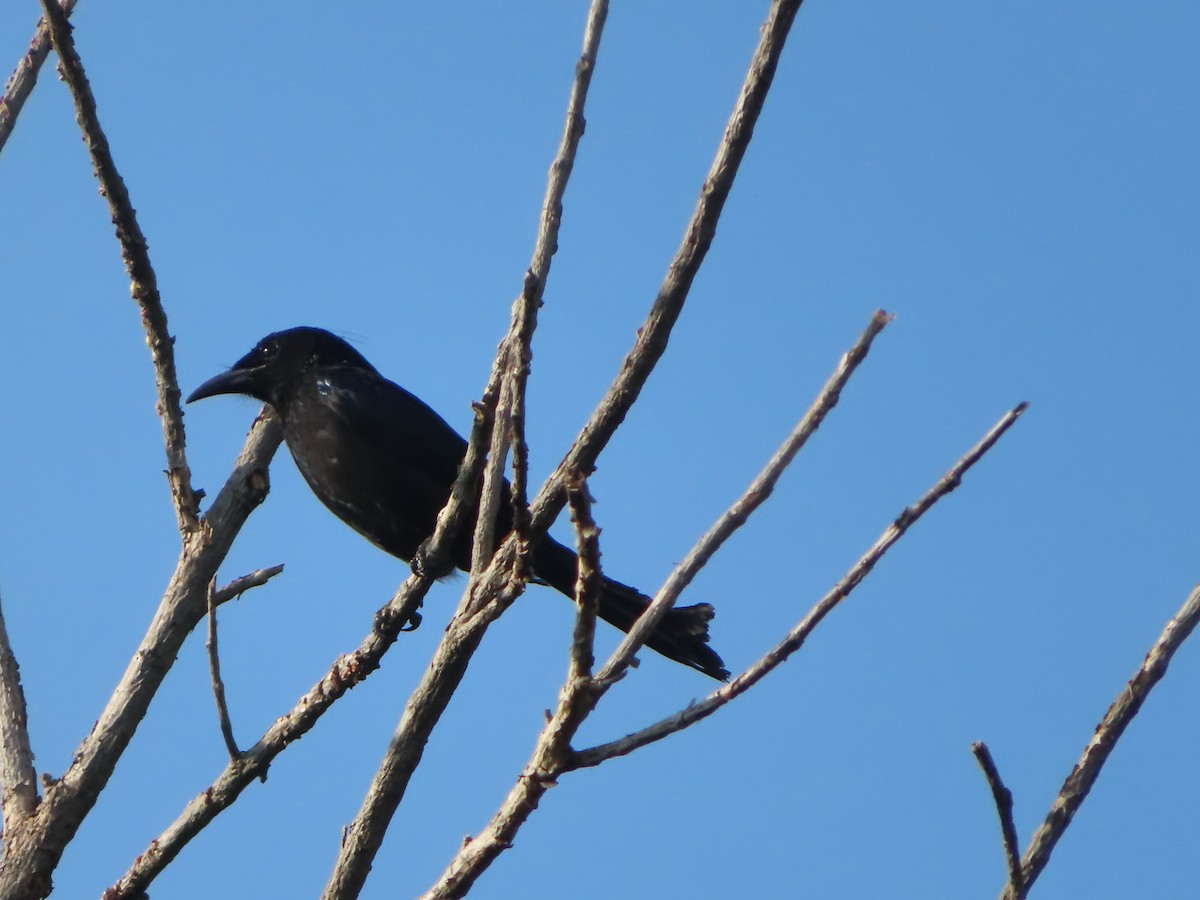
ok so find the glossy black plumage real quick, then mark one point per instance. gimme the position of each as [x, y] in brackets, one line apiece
[384, 462]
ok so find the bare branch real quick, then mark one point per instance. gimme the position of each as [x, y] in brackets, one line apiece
[362, 839]
[144, 283]
[484, 544]
[18, 780]
[798, 635]
[1004, 809]
[576, 700]
[432, 557]
[588, 585]
[35, 849]
[24, 77]
[735, 517]
[1079, 783]
[214, 665]
[521, 334]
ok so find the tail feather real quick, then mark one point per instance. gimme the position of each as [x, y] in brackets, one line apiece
[682, 635]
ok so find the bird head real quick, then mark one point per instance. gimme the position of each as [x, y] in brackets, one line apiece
[278, 364]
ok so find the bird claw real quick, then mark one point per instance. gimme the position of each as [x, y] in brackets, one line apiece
[424, 564]
[388, 621]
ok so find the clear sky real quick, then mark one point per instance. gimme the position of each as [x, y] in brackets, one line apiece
[1016, 181]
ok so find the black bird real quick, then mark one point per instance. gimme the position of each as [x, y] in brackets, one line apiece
[384, 462]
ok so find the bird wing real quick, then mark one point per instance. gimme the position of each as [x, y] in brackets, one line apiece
[387, 416]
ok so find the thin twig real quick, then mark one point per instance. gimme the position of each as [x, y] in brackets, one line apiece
[144, 283]
[798, 635]
[735, 517]
[1004, 809]
[18, 780]
[240, 585]
[589, 581]
[24, 77]
[214, 664]
[486, 437]
[484, 543]
[519, 363]
[433, 556]
[235, 588]
[1079, 783]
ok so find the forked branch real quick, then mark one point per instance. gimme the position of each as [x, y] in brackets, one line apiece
[1079, 783]
[576, 700]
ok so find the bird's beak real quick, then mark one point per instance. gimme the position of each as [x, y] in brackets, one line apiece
[235, 381]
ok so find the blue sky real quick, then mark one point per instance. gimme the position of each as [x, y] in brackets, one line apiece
[1017, 182]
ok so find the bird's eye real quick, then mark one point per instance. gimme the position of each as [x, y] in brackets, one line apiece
[268, 350]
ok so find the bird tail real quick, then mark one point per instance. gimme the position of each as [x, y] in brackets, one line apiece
[682, 635]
